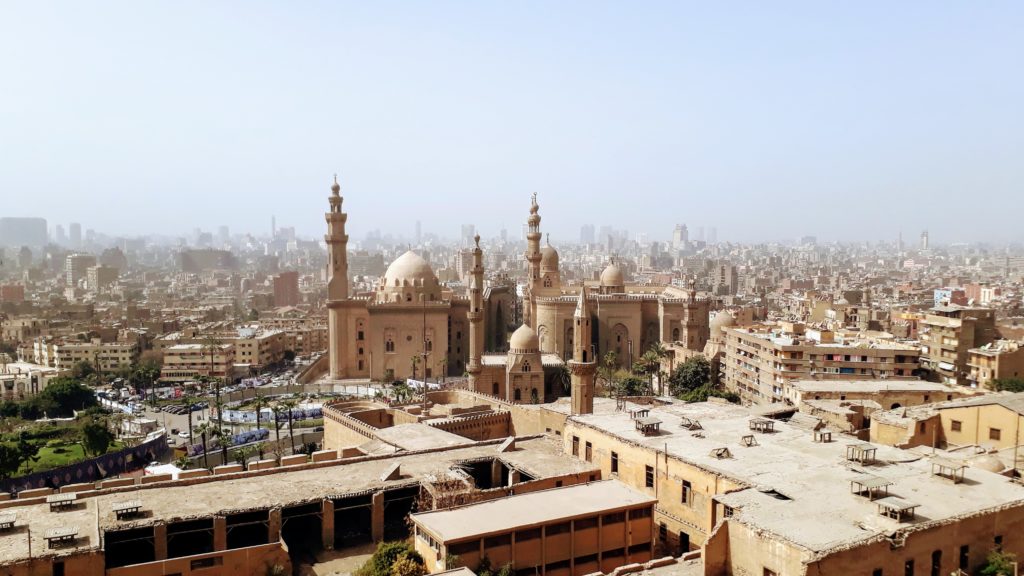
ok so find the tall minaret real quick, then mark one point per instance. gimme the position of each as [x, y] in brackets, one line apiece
[337, 280]
[476, 314]
[533, 263]
[582, 366]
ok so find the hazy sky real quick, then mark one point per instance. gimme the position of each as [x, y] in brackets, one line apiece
[849, 120]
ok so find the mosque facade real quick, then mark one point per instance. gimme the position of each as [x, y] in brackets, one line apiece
[413, 327]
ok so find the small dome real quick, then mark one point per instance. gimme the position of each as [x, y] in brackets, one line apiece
[523, 340]
[548, 257]
[722, 320]
[412, 268]
[988, 462]
[612, 276]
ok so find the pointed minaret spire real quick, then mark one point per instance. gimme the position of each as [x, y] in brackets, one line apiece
[475, 315]
[582, 367]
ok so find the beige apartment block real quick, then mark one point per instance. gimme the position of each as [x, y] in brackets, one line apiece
[761, 362]
[184, 362]
[994, 361]
[947, 335]
[582, 529]
[107, 357]
[767, 497]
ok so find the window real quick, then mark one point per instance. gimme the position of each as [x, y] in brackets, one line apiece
[649, 476]
[908, 568]
[360, 335]
[999, 542]
[936, 563]
[965, 557]
[876, 572]
[923, 427]
[589, 452]
[615, 462]
[686, 491]
[576, 446]
[58, 569]
[994, 433]
[768, 572]
[955, 425]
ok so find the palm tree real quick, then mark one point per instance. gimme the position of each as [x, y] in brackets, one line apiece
[276, 409]
[222, 433]
[659, 350]
[189, 400]
[415, 363]
[203, 430]
[259, 403]
[290, 405]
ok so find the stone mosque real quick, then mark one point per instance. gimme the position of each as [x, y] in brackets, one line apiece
[412, 326]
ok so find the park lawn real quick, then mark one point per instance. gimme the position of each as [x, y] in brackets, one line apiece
[49, 458]
[311, 423]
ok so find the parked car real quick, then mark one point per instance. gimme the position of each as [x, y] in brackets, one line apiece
[183, 434]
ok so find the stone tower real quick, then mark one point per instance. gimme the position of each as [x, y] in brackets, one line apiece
[533, 257]
[582, 366]
[337, 279]
[475, 315]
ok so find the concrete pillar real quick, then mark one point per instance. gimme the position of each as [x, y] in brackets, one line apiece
[496, 467]
[513, 477]
[327, 525]
[160, 541]
[220, 533]
[377, 517]
[274, 525]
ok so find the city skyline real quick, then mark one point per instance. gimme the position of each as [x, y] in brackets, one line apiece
[848, 124]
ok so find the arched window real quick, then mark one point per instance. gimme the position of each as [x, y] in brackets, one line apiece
[675, 334]
[494, 389]
[389, 345]
[547, 282]
[526, 366]
[518, 395]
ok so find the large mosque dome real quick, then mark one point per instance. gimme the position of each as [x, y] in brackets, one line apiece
[408, 277]
[548, 258]
[524, 341]
[612, 277]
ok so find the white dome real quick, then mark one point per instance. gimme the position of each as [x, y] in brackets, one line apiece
[407, 278]
[410, 269]
[548, 258]
[612, 276]
[722, 320]
[988, 462]
[524, 340]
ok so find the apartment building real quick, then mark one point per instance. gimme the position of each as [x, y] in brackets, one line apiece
[184, 362]
[947, 335]
[761, 362]
[993, 361]
[106, 357]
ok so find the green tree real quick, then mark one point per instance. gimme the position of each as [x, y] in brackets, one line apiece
[999, 563]
[14, 453]
[386, 556]
[692, 374]
[189, 401]
[204, 430]
[82, 370]
[289, 406]
[259, 403]
[96, 436]
[1009, 384]
[631, 386]
[289, 355]
[63, 396]
[406, 565]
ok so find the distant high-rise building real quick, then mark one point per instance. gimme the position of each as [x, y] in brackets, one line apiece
[587, 234]
[468, 232]
[700, 233]
[680, 236]
[75, 234]
[713, 235]
[286, 289]
[924, 240]
[223, 235]
[59, 236]
[76, 266]
[23, 232]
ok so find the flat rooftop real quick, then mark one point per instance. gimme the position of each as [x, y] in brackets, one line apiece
[533, 509]
[420, 437]
[539, 457]
[799, 489]
[871, 386]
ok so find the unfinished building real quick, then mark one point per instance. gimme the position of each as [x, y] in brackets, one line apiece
[258, 521]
